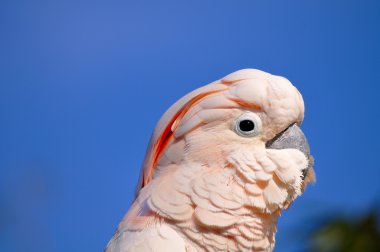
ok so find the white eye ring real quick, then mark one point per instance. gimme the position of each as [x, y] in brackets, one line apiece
[247, 125]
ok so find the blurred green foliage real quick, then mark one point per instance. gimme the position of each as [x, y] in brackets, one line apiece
[347, 234]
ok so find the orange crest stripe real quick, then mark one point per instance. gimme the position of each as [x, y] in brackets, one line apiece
[167, 135]
[247, 104]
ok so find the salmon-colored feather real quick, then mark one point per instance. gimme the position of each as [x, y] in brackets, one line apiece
[167, 134]
[204, 186]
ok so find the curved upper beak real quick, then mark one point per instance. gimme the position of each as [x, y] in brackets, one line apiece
[292, 138]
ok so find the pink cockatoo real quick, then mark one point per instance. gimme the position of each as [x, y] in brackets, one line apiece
[221, 165]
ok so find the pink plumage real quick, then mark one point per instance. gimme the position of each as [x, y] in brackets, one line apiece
[221, 165]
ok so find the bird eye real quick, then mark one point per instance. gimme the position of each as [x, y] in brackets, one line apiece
[247, 125]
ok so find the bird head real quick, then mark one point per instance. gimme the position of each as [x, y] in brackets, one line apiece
[248, 122]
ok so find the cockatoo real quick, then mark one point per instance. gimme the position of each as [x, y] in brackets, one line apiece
[222, 164]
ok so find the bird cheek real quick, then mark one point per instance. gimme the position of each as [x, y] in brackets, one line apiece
[290, 164]
[300, 160]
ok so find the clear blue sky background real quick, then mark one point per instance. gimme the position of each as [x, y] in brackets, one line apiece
[82, 84]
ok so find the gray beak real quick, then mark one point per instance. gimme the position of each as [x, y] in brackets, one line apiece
[292, 138]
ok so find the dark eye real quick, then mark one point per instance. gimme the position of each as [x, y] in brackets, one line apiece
[246, 125]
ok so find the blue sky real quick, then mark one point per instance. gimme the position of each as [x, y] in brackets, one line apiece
[82, 84]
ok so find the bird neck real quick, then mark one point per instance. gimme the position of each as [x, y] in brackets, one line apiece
[255, 232]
